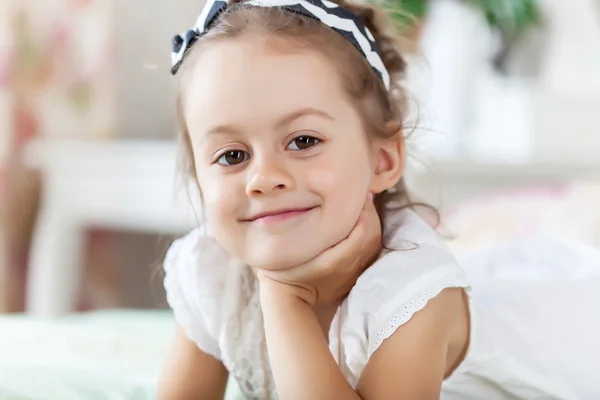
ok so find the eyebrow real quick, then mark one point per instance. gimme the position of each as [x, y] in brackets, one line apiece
[304, 112]
[223, 129]
[286, 120]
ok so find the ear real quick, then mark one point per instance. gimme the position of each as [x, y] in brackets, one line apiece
[388, 157]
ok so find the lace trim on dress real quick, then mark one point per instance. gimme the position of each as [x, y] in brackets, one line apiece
[417, 304]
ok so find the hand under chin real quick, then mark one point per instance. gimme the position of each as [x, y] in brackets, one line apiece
[286, 257]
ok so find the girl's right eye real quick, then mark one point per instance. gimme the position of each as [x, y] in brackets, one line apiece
[233, 157]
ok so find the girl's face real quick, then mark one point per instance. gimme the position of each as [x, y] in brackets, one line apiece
[281, 155]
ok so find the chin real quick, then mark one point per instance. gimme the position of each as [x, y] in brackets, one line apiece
[285, 251]
[276, 262]
[283, 257]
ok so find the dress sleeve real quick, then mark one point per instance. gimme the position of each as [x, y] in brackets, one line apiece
[193, 284]
[398, 286]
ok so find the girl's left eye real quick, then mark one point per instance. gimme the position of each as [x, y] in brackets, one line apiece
[303, 143]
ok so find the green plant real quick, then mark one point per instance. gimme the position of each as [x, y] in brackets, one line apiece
[511, 17]
[406, 12]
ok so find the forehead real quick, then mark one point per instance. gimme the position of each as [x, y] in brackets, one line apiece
[239, 79]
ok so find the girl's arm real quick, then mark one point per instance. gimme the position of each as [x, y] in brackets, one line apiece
[411, 364]
[303, 367]
[191, 374]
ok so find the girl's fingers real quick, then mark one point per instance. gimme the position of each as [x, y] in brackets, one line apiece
[364, 233]
[366, 227]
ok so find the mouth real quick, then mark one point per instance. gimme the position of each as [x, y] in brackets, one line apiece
[279, 215]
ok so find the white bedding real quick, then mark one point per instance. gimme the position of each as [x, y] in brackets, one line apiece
[537, 299]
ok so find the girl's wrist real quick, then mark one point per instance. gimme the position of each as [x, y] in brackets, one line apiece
[272, 290]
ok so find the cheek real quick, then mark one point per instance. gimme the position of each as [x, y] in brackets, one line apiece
[218, 199]
[343, 183]
[219, 210]
[346, 170]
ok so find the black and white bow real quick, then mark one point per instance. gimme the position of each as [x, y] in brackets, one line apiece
[339, 19]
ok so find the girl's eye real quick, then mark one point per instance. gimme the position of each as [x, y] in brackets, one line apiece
[303, 143]
[233, 157]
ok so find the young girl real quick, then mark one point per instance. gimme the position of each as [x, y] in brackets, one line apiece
[313, 279]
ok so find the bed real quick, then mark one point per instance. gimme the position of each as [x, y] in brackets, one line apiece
[105, 355]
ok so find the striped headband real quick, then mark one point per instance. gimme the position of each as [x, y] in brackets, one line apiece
[339, 19]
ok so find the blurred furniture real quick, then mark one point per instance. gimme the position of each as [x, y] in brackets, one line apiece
[127, 185]
[18, 212]
[564, 210]
[446, 184]
[131, 185]
[3, 270]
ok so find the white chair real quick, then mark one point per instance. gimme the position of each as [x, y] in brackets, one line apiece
[113, 184]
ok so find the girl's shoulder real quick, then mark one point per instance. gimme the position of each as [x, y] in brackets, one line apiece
[414, 268]
[199, 259]
[195, 270]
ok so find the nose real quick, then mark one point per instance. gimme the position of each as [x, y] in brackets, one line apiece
[268, 175]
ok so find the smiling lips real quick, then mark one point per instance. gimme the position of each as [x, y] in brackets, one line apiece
[279, 215]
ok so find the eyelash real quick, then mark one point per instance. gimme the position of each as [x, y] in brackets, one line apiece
[316, 141]
[227, 152]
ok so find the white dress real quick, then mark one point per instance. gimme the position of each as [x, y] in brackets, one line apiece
[512, 355]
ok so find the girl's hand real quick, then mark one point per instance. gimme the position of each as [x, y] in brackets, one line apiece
[329, 277]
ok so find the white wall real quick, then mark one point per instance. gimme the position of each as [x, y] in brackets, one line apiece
[572, 61]
[144, 86]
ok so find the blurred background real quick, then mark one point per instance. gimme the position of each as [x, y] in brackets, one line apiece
[504, 139]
